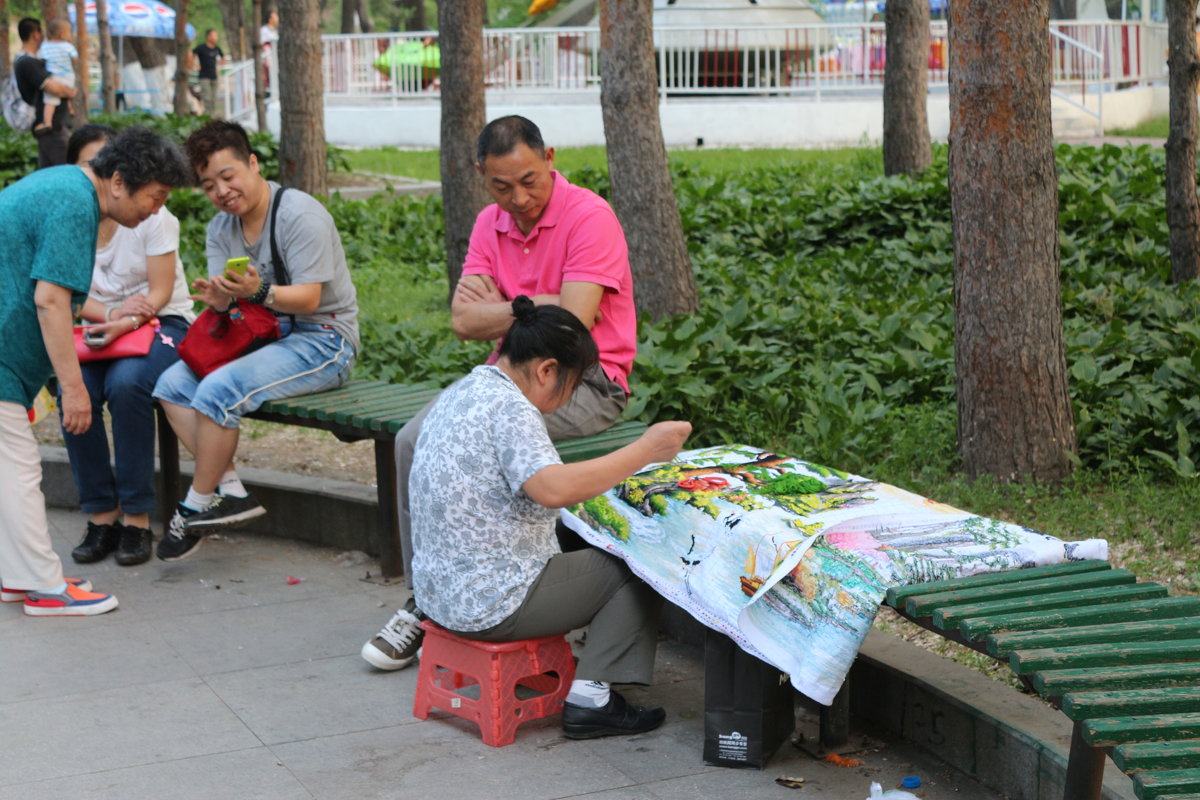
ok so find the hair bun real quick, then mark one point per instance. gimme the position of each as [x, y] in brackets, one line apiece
[523, 308]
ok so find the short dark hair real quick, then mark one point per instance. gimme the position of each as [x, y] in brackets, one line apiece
[82, 137]
[142, 157]
[214, 136]
[208, 31]
[501, 136]
[28, 27]
[549, 331]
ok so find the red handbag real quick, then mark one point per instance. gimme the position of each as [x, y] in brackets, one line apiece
[216, 338]
[134, 343]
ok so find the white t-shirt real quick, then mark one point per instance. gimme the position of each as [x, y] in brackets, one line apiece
[121, 264]
[267, 36]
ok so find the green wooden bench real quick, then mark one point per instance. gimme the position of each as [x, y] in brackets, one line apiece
[1116, 655]
[375, 410]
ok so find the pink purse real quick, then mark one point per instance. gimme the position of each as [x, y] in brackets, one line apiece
[134, 343]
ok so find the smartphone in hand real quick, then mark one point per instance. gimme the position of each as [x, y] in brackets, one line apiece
[93, 337]
[237, 265]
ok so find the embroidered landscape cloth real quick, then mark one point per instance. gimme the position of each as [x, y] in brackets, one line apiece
[792, 559]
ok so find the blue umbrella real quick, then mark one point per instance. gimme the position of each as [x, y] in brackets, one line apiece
[151, 20]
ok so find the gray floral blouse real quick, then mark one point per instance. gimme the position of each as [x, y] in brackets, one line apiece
[479, 541]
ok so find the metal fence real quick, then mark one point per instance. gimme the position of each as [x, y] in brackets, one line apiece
[744, 60]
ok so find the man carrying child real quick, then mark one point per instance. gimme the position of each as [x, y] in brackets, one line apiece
[36, 83]
[59, 55]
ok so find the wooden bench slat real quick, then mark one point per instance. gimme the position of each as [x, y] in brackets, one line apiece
[922, 605]
[896, 595]
[1025, 662]
[1178, 797]
[1167, 782]
[344, 393]
[1055, 683]
[1141, 756]
[380, 406]
[951, 616]
[1001, 644]
[1131, 702]
[1123, 730]
[619, 435]
[1162, 608]
[341, 400]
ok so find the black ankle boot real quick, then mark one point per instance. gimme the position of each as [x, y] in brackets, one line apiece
[135, 545]
[98, 542]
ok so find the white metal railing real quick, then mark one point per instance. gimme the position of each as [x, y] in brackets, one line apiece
[1087, 65]
[693, 60]
[237, 91]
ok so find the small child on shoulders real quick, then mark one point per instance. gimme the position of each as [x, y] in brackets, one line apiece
[59, 55]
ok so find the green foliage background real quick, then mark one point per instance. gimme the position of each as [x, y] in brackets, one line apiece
[826, 307]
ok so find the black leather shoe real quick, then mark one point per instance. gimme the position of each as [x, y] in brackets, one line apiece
[615, 719]
[98, 542]
[134, 547]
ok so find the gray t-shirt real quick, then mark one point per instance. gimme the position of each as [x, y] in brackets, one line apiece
[479, 541]
[311, 250]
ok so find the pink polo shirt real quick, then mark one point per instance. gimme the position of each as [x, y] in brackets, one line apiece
[578, 238]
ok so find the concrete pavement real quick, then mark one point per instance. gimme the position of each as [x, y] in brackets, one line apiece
[217, 678]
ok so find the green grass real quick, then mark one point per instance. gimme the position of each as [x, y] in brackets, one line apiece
[1152, 128]
[423, 164]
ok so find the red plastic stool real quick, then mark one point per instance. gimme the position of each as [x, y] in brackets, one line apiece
[449, 663]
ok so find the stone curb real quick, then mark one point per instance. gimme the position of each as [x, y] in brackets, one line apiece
[1010, 742]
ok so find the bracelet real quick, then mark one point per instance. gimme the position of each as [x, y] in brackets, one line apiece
[136, 324]
[260, 295]
[108, 312]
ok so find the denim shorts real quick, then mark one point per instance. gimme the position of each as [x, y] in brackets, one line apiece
[312, 358]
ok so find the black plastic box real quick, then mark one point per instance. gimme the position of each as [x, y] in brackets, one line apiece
[749, 706]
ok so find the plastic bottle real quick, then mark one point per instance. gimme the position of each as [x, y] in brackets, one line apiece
[877, 793]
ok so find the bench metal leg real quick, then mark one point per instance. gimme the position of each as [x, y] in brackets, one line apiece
[168, 463]
[390, 563]
[835, 720]
[1085, 769]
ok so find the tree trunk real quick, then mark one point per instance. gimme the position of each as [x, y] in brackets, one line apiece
[416, 18]
[642, 194]
[233, 14]
[1014, 410]
[301, 99]
[260, 82]
[1183, 210]
[52, 10]
[906, 147]
[460, 31]
[349, 9]
[5, 50]
[108, 61]
[147, 52]
[79, 104]
[1063, 9]
[364, 17]
[182, 102]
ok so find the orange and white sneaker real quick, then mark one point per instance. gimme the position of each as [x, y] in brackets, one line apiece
[18, 595]
[74, 602]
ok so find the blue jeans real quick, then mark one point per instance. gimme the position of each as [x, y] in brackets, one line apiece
[311, 359]
[125, 385]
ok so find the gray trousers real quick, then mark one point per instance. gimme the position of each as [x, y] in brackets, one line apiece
[593, 588]
[596, 404]
[208, 96]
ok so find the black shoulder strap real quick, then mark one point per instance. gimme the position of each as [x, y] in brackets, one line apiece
[281, 274]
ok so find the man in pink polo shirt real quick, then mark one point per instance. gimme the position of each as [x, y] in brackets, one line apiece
[556, 243]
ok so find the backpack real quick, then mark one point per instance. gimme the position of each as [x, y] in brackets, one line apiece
[17, 113]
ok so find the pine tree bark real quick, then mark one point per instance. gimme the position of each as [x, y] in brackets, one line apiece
[1183, 209]
[301, 99]
[349, 10]
[364, 17]
[180, 101]
[52, 10]
[1014, 410]
[460, 36]
[257, 17]
[108, 60]
[416, 18]
[906, 145]
[79, 104]
[642, 194]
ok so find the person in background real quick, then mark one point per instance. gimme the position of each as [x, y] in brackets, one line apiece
[48, 225]
[60, 57]
[268, 35]
[138, 280]
[209, 56]
[486, 485]
[559, 244]
[34, 82]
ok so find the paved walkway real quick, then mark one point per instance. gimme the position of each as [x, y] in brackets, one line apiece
[216, 678]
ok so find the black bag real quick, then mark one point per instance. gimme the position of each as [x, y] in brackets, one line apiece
[749, 706]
